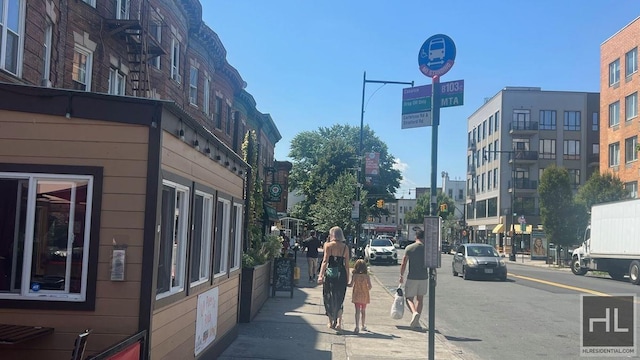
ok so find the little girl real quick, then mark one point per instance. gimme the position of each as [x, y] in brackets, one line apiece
[361, 283]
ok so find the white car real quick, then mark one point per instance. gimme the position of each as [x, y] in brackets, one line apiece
[381, 250]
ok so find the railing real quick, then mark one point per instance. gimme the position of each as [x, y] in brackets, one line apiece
[523, 126]
[471, 145]
[524, 184]
[471, 169]
[525, 155]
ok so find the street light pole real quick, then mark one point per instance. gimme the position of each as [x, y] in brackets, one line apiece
[360, 149]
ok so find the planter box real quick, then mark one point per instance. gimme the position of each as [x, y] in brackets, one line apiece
[254, 290]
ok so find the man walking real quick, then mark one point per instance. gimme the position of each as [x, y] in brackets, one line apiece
[416, 286]
[312, 244]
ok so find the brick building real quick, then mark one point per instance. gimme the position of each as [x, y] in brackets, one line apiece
[619, 86]
[121, 154]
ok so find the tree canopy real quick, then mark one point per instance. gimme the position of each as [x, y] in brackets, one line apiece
[320, 158]
[558, 212]
[601, 188]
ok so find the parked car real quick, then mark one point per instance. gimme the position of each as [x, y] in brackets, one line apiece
[405, 242]
[478, 260]
[381, 250]
[446, 247]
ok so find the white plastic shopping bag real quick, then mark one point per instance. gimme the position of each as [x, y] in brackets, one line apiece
[397, 308]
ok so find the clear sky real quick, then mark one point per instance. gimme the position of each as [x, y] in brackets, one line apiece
[303, 61]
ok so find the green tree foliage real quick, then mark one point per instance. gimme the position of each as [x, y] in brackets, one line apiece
[254, 192]
[558, 212]
[601, 188]
[333, 206]
[450, 225]
[321, 157]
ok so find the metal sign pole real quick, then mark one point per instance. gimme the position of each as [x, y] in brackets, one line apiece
[435, 114]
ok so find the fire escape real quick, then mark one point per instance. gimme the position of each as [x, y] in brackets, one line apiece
[142, 46]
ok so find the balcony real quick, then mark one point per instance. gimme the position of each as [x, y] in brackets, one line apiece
[523, 127]
[593, 160]
[471, 193]
[524, 156]
[524, 185]
[471, 145]
[471, 170]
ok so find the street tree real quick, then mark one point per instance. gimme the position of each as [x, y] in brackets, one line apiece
[334, 205]
[320, 157]
[601, 188]
[450, 225]
[558, 212]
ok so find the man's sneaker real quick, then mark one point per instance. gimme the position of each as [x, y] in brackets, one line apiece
[415, 320]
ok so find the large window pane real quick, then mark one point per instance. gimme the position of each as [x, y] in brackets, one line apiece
[173, 238]
[221, 246]
[201, 243]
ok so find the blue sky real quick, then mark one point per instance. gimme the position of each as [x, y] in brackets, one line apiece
[304, 61]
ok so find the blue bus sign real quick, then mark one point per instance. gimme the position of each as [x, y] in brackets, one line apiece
[437, 55]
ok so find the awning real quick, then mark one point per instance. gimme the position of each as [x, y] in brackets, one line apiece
[498, 229]
[270, 213]
[527, 230]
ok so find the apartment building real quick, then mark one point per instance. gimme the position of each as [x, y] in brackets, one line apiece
[619, 85]
[512, 138]
[121, 160]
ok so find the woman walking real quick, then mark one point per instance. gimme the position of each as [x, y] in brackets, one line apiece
[334, 276]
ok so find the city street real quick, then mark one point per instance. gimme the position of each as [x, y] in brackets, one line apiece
[534, 314]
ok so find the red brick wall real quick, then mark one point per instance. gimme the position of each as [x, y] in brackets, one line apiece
[615, 48]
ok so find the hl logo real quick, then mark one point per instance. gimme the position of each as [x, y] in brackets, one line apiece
[608, 325]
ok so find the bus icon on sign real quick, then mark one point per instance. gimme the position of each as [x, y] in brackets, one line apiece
[436, 51]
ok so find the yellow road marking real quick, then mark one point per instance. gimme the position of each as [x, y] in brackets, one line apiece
[568, 287]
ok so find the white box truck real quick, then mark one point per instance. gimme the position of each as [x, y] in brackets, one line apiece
[611, 241]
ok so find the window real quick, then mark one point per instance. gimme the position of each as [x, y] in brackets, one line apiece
[631, 62]
[631, 106]
[482, 181]
[484, 129]
[571, 149]
[547, 149]
[614, 72]
[82, 63]
[489, 180]
[155, 30]
[218, 114]
[173, 239]
[574, 177]
[521, 119]
[572, 120]
[490, 124]
[479, 137]
[90, 2]
[547, 119]
[489, 156]
[221, 246]
[632, 188]
[175, 61]
[202, 233]
[46, 51]
[227, 128]
[484, 158]
[614, 114]
[475, 132]
[122, 9]
[206, 98]
[193, 86]
[497, 120]
[595, 148]
[11, 36]
[614, 154]
[48, 217]
[595, 124]
[236, 240]
[116, 82]
[496, 149]
[630, 152]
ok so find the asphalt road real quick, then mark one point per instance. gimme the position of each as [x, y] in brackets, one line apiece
[534, 314]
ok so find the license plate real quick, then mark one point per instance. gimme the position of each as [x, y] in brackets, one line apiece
[488, 271]
[383, 256]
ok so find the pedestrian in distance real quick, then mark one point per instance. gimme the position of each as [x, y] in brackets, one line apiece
[312, 244]
[361, 283]
[334, 276]
[416, 284]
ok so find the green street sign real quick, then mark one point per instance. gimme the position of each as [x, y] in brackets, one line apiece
[452, 100]
[412, 106]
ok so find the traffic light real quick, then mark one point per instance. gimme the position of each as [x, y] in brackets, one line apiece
[380, 203]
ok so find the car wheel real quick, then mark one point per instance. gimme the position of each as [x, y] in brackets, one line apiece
[634, 272]
[576, 267]
[465, 275]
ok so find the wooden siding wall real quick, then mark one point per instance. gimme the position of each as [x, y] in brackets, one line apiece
[173, 326]
[121, 150]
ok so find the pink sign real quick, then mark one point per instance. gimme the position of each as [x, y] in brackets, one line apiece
[372, 164]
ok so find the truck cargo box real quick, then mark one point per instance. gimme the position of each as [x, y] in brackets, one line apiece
[615, 229]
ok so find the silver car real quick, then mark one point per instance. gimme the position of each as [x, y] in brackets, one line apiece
[478, 260]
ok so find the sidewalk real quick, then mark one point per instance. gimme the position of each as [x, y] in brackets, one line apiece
[296, 328]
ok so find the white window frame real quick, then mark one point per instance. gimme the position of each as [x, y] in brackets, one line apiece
[206, 232]
[632, 188]
[88, 67]
[206, 97]
[614, 72]
[17, 32]
[614, 154]
[179, 254]
[175, 61]
[236, 251]
[157, 34]
[90, 2]
[631, 106]
[630, 152]
[46, 49]
[631, 62]
[193, 86]
[614, 114]
[34, 179]
[122, 9]
[223, 252]
[117, 82]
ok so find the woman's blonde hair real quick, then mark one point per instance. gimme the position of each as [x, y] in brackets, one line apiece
[337, 233]
[360, 267]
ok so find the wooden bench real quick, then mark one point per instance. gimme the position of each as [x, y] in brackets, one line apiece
[13, 334]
